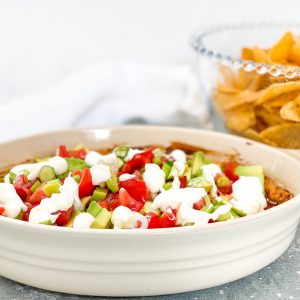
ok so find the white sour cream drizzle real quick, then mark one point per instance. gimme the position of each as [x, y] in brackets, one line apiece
[58, 163]
[43, 212]
[248, 195]
[100, 174]
[95, 158]
[124, 218]
[10, 200]
[83, 221]
[154, 177]
[186, 214]
[178, 168]
[178, 155]
[175, 197]
[209, 172]
[70, 186]
[126, 176]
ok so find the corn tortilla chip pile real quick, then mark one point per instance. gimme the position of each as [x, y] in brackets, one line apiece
[263, 107]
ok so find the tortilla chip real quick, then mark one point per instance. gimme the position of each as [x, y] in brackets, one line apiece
[280, 52]
[254, 135]
[278, 89]
[279, 101]
[294, 55]
[284, 135]
[240, 118]
[260, 55]
[269, 116]
[291, 110]
[247, 54]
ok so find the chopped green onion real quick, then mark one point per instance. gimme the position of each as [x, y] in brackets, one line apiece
[122, 151]
[12, 177]
[167, 186]
[77, 178]
[167, 167]
[35, 186]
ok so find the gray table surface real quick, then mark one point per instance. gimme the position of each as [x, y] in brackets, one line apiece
[279, 280]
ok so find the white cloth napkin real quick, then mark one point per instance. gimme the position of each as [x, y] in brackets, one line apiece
[108, 94]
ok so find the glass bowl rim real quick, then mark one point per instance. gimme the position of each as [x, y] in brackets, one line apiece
[197, 43]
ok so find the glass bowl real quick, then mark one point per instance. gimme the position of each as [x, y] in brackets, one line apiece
[246, 90]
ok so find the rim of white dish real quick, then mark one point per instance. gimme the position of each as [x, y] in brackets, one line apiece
[159, 231]
[196, 41]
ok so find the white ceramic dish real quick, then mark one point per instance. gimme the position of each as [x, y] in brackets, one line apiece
[148, 262]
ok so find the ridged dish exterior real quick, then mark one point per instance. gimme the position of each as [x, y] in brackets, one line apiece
[148, 262]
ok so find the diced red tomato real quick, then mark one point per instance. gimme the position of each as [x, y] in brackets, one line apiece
[103, 204]
[64, 216]
[229, 169]
[111, 201]
[168, 218]
[2, 211]
[22, 186]
[199, 204]
[183, 182]
[153, 220]
[137, 174]
[138, 162]
[27, 212]
[38, 195]
[64, 152]
[211, 221]
[126, 200]
[148, 194]
[136, 188]
[86, 187]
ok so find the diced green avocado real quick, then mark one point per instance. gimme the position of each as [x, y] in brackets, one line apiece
[198, 162]
[102, 220]
[224, 217]
[85, 201]
[112, 182]
[76, 164]
[156, 160]
[208, 208]
[167, 167]
[99, 194]
[239, 212]
[71, 221]
[46, 174]
[234, 214]
[52, 187]
[256, 171]
[167, 186]
[148, 208]
[200, 182]
[48, 222]
[94, 209]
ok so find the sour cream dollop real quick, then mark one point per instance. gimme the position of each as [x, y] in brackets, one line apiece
[175, 197]
[95, 158]
[131, 153]
[125, 218]
[70, 187]
[154, 177]
[100, 174]
[10, 200]
[83, 221]
[248, 195]
[178, 155]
